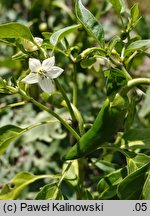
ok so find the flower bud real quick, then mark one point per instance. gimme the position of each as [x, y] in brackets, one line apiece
[29, 46]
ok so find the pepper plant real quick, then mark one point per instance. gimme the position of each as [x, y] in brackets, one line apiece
[88, 168]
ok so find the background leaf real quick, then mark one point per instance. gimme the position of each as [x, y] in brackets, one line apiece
[13, 188]
[134, 13]
[58, 35]
[15, 30]
[137, 45]
[107, 185]
[50, 192]
[146, 189]
[136, 138]
[89, 22]
[8, 134]
[132, 186]
[119, 5]
[134, 163]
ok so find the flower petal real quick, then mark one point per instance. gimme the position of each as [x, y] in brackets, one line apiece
[31, 78]
[48, 63]
[46, 84]
[38, 40]
[34, 64]
[54, 72]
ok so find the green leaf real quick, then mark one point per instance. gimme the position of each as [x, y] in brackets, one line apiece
[107, 186]
[137, 45]
[85, 63]
[131, 165]
[146, 189]
[87, 195]
[64, 7]
[8, 134]
[119, 5]
[71, 176]
[13, 188]
[134, 163]
[141, 159]
[134, 13]
[115, 80]
[116, 4]
[58, 35]
[50, 192]
[15, 30]
[132, 186]
[131, 114]
[136, 138]
[142, 28]
[2, 83]
[89, 22]
[105, 165]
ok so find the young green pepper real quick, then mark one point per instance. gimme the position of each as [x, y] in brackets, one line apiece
[109, 120]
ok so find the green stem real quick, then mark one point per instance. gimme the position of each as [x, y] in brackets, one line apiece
[131, 57]
[79, 119]
[35, 125]
[81, 174]
[126, 74]
[38, 124]
[44, 53]
[13, 105]
[86, 52]
[41, 106]
[117, 63]
[81, 129]
[74, 112]
[128, 77]
[122, 53]
[66, 99]
[138, 81]
[134, 83]
[80, 161]
[77, 116]
[64, 173]
[11, 89]
[75, 85]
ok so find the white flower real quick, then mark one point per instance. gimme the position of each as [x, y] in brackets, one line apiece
[43, 73]
[29, 46]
